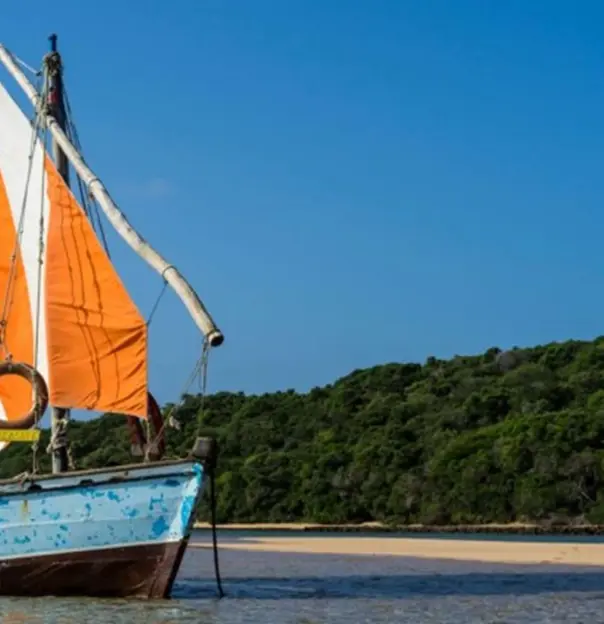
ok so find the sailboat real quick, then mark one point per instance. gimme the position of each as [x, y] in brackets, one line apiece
[71, 337]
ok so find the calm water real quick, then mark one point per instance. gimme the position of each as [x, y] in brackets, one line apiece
[271, 588]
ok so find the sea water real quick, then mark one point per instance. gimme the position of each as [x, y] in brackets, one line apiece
[272, 588]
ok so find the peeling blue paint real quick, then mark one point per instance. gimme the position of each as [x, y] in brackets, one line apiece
[158, 507]
[157, 501]
[130, 512]
[160, 526]
[186, 510]
[21, 540]
[92, 492]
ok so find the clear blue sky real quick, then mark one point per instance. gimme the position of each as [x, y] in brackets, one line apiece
[346, 183]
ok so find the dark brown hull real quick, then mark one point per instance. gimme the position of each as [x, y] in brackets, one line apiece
[146, 571]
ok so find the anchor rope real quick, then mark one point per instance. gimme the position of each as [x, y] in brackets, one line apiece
[213, 506]
[202, 371]
[203, 380]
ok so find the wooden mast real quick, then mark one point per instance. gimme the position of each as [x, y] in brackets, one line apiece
[56, 106]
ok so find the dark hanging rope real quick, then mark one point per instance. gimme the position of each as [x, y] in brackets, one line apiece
[92, 213]
[202, 369]
[212, 470]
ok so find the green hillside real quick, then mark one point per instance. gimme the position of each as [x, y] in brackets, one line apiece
[493, 438]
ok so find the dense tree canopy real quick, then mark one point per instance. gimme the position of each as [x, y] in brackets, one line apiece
[500, 437]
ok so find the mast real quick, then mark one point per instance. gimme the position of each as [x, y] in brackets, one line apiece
[53, 67]
[169, 272]
[56, 103]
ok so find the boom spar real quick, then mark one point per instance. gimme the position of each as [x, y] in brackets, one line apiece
[169, 272]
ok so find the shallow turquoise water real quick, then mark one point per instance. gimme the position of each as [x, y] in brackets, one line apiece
[276, 588]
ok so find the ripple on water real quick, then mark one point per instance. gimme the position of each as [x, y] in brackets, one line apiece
[310, 589]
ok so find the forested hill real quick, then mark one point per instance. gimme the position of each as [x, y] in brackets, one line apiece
[498, 437]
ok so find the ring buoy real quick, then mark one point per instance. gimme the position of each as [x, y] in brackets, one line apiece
[138, 437]
[40, 400]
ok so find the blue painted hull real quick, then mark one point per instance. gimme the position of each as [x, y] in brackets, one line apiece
[116, 532]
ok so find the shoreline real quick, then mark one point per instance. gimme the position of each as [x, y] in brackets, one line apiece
[408, 549]
[515, 528]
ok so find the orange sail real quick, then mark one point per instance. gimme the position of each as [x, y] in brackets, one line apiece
[66, 309]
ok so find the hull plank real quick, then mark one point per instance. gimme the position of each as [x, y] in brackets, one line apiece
[118, 532]
[130, 572]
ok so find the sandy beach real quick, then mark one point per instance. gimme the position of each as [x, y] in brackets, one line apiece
[508, 528]
[365, 526]
[290, 526]
[489, 551]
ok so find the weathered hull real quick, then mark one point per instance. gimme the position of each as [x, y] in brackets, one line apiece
[109, 533]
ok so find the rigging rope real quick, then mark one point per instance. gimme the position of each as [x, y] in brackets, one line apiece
[59, 434]
[203, 384]
[42, 225]
[199, 370]
[39, 133]
[29, 68]
[93, 212]
[36, 124]
[156, 304]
